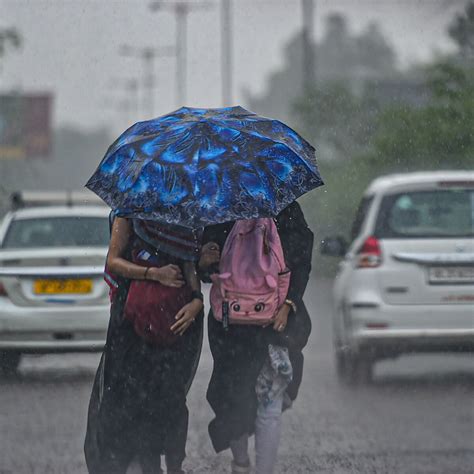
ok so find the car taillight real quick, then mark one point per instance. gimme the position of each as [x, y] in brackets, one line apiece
[376, 325]
[3, 292]
[370, 254]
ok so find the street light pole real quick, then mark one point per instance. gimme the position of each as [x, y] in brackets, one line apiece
[181, 9]
[226, 61]
[308, 7]
[149, 81]
[148, 56]
[130, 104]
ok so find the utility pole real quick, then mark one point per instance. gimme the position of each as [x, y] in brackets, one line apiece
[131, 103]
[226, 52]
[148, 56]
[123, 119]
[181, 9]
[308, 7]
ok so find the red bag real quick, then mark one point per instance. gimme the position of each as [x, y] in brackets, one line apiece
[152, 308]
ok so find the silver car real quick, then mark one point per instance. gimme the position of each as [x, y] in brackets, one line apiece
[52, 294]
[406, 283]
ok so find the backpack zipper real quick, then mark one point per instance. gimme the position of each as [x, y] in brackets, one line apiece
[266, 245]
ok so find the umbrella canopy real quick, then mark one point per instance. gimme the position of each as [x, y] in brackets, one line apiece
[195, 167]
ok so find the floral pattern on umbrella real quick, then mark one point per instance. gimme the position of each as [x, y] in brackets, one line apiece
[196, 167]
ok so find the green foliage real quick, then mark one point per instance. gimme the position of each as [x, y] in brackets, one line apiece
[461, 31]
[340, 55]
[401, 138]
[343, 189]
[439, 135]
[333, 115]
[370, 138]
[330, 210]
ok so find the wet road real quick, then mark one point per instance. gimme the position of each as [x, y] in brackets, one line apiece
[417, 416]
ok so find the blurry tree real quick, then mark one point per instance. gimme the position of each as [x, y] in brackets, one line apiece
[344, 56]
[341, 56]
[283, 86]
[337, 120]
[375, 56]
[437, 135]
[406, 122]
[461, 31]
[335, 54]
[9, 37]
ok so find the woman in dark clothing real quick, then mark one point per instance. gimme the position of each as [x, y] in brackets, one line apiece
[240, 352]
[138, 404]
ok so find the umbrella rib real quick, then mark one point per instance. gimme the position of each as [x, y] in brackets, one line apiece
[261, 119]
[272, 140]
[141, 137]
[224, 125]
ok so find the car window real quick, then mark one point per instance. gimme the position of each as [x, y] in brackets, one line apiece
[441, 213]
[360, 215]
[57, 232]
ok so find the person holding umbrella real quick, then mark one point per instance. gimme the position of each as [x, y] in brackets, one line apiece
[138, 406]
[171, 177]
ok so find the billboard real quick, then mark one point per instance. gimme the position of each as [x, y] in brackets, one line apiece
[25, 126]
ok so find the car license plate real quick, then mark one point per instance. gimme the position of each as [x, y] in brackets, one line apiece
[62, 286]
[451, 275]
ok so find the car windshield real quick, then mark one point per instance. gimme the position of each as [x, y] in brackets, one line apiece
[440, 213]
[57, 232]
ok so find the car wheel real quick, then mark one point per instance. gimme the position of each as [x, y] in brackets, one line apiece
[363, 369]
[342, 369]
[345, 367]
[9, 362]
[353, 369]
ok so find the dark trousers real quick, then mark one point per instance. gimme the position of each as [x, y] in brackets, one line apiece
[117, 457]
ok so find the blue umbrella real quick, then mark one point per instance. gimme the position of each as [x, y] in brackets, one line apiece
[195, 167]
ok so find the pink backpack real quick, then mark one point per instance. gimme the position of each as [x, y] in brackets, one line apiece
[253, 279]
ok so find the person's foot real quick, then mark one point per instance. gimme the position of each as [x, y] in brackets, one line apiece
[240, 469]
[149, 469]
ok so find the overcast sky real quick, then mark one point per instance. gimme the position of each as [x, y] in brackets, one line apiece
[71, 47]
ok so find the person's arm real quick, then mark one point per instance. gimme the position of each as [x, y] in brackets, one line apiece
[281, 318]
[188, 313]
[297, 242]
[191, 277]
[169, 275]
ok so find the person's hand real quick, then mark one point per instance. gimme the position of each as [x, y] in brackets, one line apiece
[281, 319]
[186, 316]
[210, 255]
[169, 275]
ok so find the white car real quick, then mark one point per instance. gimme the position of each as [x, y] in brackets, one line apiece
[406, 283]
[52, 294]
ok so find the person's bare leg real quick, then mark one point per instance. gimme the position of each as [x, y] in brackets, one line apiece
[240, 452]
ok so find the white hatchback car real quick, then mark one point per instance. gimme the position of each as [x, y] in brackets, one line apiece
[406, 283]
[52, 294]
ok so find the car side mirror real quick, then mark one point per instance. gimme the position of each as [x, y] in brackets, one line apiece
[333, 246]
